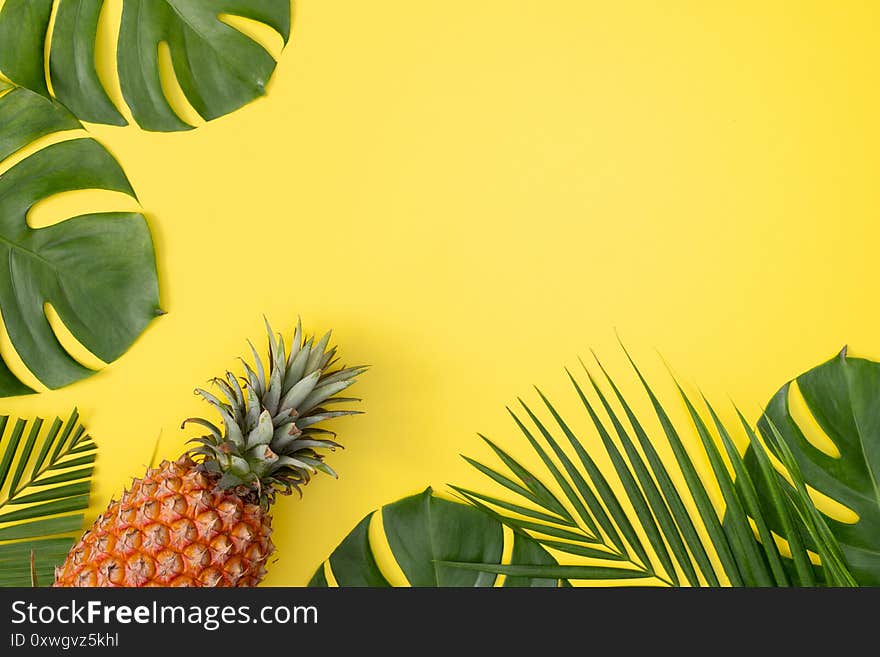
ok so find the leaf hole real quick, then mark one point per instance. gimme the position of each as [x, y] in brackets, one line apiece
[827, 505]
[15, 363]
[506, 553]
[172, 90]
[806, 422]
[832, 508]
[5, 85]
[73, 203]
[68, 341]
[106, 46]
[47, 44]
[330, 576]
[271, 41]
[388, 565]
[785, 548]
[39, 144]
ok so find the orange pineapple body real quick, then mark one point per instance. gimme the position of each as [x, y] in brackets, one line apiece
[174, 527]
[205, 522]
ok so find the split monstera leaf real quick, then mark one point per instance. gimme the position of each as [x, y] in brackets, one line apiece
[769, 531]
[218, 67]
[428, 536]
[829, 421]
[98, 271]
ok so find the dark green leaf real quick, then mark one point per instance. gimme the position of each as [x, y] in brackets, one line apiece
[61, 438]
[656, 505]
[319, 579]
[843, 396]
[515, 508]
[581, 550]
[752, 503]
[535, 527]
[10, 449]
[634, 495]
[98, 271]
[80, 449]
[508, 483]
[39, 508]
[72, 475]
[434, 544]
[63, 443]
[567, 488]
[599, 481]
[423, 531]
[695, 485]
[49, 508]
[778, 507]
[677, 508]
[745, 548]
[82, 460]
[54, 493]
[218, 67]
[23, 26]
[834, 568]
[15, 558]
[36, 425]
[542, 494]
[561, 572]
[526, 550]
[45, 527]
[352, 563]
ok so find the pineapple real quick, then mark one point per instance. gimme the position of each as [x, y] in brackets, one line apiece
[203, 520]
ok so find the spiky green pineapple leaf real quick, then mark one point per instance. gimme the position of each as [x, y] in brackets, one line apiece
[218, 67]
[269, 439]
[45, 478]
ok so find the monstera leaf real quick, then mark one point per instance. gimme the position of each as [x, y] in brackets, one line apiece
[643, 529]
[98, 271]
[219, 68]
[843, 397]
[436, 543]
[42, 497]
[640, 530]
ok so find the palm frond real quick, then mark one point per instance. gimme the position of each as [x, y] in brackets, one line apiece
[45, 477]
[649, 532]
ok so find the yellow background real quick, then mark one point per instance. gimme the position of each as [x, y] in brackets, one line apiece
[472, 194]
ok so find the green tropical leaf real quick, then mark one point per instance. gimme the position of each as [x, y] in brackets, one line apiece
[435, 542]
[218, 67]
[98, 271]
[655, 507]
[840, 399]
[40, 515]
[647, 536]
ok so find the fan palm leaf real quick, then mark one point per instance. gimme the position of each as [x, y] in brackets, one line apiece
[45, 476]
[648, 531]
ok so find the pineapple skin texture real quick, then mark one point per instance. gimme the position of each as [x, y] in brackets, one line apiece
[173, 527]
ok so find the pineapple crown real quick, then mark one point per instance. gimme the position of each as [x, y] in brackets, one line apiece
[270, 441]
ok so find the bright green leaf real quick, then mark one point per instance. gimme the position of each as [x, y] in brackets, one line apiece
[97, 270]
[40, 512]
[424, 531]
[218, 68]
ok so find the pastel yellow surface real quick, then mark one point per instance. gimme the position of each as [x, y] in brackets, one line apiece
[472, 194]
